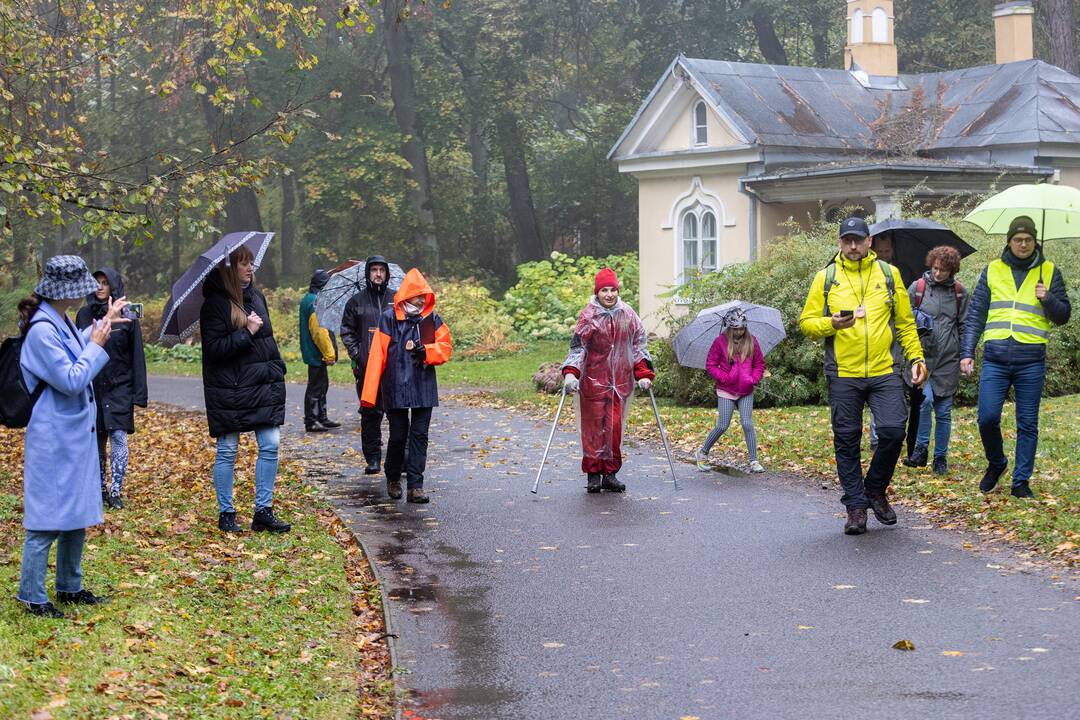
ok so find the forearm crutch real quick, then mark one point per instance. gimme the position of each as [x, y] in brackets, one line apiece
[663, 436]
[554, 425]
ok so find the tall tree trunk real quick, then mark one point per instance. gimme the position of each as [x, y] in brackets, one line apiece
[242, 207]
[287, 228]
[1061, 27]
[819, 33]
[769, 44]
[522, 212]
[482, 232]
[396, 42]
[174, 256]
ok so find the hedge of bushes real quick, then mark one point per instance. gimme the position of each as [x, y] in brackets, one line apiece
[781, 279]
[549, 294]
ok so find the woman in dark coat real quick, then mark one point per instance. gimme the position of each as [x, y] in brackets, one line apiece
[118, 388]
[243, 384]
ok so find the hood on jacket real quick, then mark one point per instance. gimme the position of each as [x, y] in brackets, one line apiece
[376, 260]
[116, 290]
[414, 284]
[319, 278]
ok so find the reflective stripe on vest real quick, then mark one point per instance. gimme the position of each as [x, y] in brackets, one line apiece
[1014, 312]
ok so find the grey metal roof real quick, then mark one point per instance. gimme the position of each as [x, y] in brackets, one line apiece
[1015, 103]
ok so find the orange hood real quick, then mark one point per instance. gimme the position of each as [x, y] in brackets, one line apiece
[414, 284]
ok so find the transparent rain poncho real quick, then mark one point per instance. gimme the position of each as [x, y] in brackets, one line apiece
[606, 347]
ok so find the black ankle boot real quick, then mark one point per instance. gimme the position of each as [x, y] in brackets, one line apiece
[328, 423]
[594, 483]
[226, 522]
[372, 468]
[612, 483]
[45, 609]
[264, 520]
[83, 597]
[917, 458]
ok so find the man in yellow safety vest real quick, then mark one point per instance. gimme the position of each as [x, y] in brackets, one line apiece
[1012, 310]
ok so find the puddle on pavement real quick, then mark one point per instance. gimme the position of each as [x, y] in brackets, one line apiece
[470, 700]
[425, 593]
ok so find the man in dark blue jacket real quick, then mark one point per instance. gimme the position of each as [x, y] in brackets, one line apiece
[1012, 310]
[359, 322]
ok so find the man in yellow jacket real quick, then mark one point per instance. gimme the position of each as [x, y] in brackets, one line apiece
[853, 305]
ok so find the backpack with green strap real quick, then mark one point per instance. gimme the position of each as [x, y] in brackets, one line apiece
[830, 280]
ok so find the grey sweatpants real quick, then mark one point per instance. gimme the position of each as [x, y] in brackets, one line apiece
[725, 409]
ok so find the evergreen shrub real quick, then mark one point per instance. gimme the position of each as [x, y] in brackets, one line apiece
[781, 279]
[549, 294]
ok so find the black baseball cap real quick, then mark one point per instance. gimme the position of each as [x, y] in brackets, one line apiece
[854, 226]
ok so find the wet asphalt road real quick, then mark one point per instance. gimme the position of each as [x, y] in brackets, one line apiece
[729, 598]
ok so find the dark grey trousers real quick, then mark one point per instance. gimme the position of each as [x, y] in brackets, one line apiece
[847, 398]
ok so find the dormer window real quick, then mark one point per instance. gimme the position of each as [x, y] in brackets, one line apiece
[701, 129]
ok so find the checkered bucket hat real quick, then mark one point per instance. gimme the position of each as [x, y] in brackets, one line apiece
[66, 278]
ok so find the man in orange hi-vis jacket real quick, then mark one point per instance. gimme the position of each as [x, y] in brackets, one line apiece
[410, 341]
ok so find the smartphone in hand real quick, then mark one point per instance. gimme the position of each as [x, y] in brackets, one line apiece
[132, 311]
[847, 313]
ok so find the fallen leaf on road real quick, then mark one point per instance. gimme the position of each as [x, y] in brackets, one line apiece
[553, 645]
[843, 587]
[952, 653]
[903, 645]
[916, 601]
[805, 627]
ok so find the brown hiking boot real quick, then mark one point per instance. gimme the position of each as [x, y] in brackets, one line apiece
[416, 495]
[879, 503]
[856, 521]
[393, 489]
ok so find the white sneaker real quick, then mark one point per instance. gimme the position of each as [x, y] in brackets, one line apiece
[755, 467]
[702, 461]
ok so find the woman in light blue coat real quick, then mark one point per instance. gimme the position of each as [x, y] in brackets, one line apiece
[61, 485]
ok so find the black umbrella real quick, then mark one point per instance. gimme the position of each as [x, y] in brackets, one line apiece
[180, 317]
[913, 239]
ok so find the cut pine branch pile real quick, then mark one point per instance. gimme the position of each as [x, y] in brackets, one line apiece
[201, 625]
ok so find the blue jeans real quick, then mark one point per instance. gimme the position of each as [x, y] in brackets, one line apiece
[266, 465]
[1027, 383]
[941, 409]
[35, 562]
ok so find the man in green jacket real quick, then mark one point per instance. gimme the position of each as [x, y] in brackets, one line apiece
[319, 350]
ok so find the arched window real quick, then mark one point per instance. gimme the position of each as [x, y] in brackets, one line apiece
[701, 127]
[879, 25]
[857, 26]
[699, 249]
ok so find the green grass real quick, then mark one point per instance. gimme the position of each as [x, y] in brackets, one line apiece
[200, 625]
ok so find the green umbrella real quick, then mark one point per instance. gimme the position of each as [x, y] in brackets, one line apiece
[1054, 208]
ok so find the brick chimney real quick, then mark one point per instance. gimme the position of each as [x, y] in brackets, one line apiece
[870, 44]
[1013, 35]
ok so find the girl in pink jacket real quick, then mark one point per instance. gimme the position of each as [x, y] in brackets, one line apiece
[736, 363]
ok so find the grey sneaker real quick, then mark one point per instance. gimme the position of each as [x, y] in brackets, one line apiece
[756, 467]
[702, 461]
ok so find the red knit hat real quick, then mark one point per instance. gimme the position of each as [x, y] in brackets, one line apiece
[605, 278]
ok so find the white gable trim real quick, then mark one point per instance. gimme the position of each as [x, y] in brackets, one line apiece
[683, 90]
[697, 194]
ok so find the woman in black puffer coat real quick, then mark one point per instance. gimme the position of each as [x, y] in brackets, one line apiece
[243, 383]
[118, 388]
